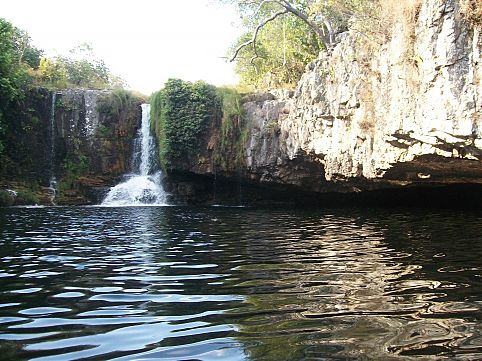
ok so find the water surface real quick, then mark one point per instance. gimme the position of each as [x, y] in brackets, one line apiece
[178, 283]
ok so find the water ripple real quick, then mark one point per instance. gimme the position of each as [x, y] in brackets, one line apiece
[220, 283]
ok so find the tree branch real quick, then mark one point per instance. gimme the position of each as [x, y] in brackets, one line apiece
[255, 35]
[326, 39]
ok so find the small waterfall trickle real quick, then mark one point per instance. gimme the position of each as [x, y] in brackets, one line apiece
[240, 188]
[143, 187]
[52, 179]
[215, 185]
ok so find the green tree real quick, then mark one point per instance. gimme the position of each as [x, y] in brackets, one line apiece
[17, 58]
[283, 36]
[82, 69]
[52, 72]
[283, 49]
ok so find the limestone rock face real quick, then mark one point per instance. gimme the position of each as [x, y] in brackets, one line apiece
[411, 112]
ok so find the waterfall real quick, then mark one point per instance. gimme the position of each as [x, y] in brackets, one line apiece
[143, 186]
[52, 179]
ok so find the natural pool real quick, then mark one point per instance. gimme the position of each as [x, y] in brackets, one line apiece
[180, 283]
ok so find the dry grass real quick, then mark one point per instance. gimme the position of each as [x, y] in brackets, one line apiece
[399, 15]
[393, 19]
[472, 11]
[390, 18]
[404, 11]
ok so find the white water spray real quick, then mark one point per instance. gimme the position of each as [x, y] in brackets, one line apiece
[144, 186]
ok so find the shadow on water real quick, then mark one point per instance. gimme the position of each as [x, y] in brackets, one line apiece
[240, 284]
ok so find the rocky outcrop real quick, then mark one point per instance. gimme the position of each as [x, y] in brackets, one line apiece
[364, 117]
[89, 150]
[411, 113]
[94, 133]
[403, 114]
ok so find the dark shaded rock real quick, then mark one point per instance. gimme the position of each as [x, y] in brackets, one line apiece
[93, 141]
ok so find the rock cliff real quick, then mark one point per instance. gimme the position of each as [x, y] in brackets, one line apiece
[403, 113]
[94, 132]
[81, 137]
[411, 112]
[397, 108]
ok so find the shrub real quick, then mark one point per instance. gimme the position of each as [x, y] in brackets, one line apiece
[233, 129]
[115, 102]
[6, 198]
[180, 113]
[26, 197]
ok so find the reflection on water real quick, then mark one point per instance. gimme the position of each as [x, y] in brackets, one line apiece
[239, 284]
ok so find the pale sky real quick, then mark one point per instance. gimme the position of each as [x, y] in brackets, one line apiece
[144, 41]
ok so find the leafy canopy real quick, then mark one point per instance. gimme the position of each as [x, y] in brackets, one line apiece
[283, 36]
[284, 47]
[79, 70]
[17, 59]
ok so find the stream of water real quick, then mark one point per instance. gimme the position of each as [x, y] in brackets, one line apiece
[143, 186]
[183, 283]
[52, 178]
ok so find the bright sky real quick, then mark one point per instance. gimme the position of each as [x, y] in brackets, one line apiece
[144, 41]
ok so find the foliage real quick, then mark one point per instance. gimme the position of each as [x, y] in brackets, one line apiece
[286, 43]
[233, 130]
[284, 47]
[17, 58]
[80, 70]
[52, 73]
[343, 13]
[116, 101]
[103, 131]
[22, 66]
[6, 198]
[75, 166]
[180, 113]
[27, 197]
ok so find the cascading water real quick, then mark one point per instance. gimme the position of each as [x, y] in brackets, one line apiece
[52, 179]
[144, 186]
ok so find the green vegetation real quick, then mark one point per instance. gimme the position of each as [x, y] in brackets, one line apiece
[27, 197]
[282, 37]
[81, 70]
[180, 113]
[6, 198]
[103, 131]
[17, 59]
[23, 67]
[233, 130]
[75, 166]
[284, 47]
[114, 102]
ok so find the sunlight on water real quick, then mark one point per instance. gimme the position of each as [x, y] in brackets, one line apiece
[179, 283]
